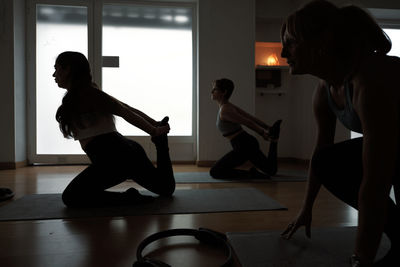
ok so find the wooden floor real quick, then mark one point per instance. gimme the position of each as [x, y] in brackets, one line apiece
[97, 242]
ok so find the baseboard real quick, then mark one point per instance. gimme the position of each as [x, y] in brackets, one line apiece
[205, 163]
[12, 165]
[21, 164]
[184, 162]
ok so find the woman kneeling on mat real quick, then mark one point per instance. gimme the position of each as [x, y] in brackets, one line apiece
[346, 49]
[86, 114]
[245, 146]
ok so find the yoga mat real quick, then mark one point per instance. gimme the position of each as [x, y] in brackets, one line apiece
[50, 206]
[204, 177]
[328, 247]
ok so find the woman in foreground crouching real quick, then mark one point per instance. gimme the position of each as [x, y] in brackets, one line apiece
[359, 85]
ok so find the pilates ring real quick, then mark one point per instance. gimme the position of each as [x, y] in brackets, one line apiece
[204, 235]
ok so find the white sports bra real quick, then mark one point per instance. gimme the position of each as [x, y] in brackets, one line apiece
[94, 124]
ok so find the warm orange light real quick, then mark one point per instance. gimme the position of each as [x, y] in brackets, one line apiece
[272, 60]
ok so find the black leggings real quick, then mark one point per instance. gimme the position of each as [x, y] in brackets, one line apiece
[114, 159]
[339, 168]
[245, 147]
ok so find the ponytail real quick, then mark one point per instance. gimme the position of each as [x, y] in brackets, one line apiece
[360, 32]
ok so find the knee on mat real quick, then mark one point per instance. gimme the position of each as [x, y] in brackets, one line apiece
[215, 172]
[68, 199]
[168, 190]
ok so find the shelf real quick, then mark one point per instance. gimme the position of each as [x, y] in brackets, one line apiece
[264, 67]
[263, 91]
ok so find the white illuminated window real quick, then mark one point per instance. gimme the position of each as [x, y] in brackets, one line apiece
[148, 53]
[58, 29]
[155, 52]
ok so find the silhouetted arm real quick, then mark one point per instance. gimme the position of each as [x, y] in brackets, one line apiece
[253, 118]
[229, 112]
[100, 101]
[326, 124]
[143, 115]
[377, 104]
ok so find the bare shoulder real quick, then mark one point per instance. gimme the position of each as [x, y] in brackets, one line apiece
[320, 93]
[90, 92]
[96, 100]
[321, 87]
[228, 107]
[228, 111]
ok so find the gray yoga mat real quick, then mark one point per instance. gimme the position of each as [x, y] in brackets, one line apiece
[50, 206]
[204, 177]
[328, 247]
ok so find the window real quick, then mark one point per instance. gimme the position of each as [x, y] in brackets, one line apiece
[154, 48]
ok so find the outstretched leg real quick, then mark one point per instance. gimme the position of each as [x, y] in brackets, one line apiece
[269, 165]
[160, 179]
[275, 130]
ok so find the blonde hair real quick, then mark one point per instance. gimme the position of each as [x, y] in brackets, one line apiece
[355, 32]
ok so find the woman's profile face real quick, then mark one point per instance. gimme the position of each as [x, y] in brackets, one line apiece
[217, 93]
[61, 76]
[298, 54]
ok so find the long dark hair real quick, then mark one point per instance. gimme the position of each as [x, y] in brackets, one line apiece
[80, 78]
[355, 33]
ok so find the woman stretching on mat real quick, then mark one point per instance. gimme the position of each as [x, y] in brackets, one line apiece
[245, 146]
[86, 114]
[346, 49]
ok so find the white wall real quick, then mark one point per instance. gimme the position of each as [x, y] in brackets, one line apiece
[7, 132]
[19, 81]
[12, 80]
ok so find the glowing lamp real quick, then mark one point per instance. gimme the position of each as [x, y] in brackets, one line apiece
[272, 60]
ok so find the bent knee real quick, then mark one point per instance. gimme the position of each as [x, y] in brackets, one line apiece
[215, 172]
[168, 190]
[68, 199]
[72, 199]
